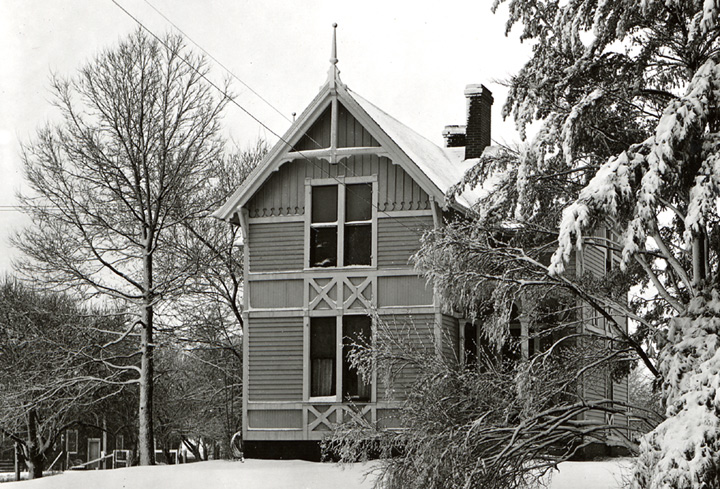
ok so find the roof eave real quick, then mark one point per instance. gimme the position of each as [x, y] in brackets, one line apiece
[261, 172]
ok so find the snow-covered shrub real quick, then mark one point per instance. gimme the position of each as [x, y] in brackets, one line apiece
[497, 425]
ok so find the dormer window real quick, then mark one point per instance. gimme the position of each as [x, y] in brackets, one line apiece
[341, 225]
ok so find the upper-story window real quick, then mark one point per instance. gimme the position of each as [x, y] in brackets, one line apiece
[341, 225]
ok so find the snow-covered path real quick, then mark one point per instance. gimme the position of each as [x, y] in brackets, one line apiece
[284, 474]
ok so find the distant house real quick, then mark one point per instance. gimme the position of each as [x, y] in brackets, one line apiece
[330, 219]
[90, 447]
[79, 447]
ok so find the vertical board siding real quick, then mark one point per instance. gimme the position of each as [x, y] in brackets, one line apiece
[283, 193]
[399, 238]
[398, 191]
[351, 134]
[318, 136]
[450, 339]
[276, 246]
[414, 331]
[275, 293]
[404, 291]
[275, 359]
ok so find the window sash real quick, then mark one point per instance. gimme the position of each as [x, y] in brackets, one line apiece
[343, 251]
[323, 352]
[354, 329]
[330, 377]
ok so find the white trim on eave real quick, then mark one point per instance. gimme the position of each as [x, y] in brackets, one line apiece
[271, 161]
[277, 155]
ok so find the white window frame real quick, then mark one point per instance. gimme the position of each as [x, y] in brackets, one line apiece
[341, 183]
[67, 441]
[339, 359]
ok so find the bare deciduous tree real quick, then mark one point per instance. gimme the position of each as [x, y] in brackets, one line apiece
[47, 377]
[114, 179]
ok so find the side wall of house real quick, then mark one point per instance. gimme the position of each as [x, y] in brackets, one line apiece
[598, 261]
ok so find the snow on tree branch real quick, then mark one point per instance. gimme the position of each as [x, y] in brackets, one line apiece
[664, 158]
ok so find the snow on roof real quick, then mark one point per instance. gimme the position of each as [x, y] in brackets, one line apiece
[443, 166]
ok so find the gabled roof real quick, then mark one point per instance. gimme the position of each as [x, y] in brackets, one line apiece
[434, 168]
[443, 166]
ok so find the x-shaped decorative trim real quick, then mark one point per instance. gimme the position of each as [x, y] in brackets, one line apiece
[357, 292]
[357, 414]
[322, 292]
[321, 417]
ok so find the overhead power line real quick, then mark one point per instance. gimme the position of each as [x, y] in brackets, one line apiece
[256, 119]
[217, 61]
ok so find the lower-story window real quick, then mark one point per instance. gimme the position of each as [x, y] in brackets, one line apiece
[330, 338]
[323, 351]
[356, 330]
[71, 445]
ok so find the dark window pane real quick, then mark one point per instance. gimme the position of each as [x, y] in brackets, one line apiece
[356, 330]
[323, 247]
[512, 349]
[324, 203]
[322, 356]
[358, 244]
[72, 441]
[358, 202]
[471, 346]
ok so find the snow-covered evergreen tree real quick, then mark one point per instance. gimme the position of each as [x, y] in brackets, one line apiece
[628, 95]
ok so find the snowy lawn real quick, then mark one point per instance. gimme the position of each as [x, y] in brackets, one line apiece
[285, 474]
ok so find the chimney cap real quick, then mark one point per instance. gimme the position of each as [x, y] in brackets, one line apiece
[454, 129]
[477, 89]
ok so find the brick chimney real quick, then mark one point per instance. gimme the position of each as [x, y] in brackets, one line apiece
[477, 134]
[454, 136]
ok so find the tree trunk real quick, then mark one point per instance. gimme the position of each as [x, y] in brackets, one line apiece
[34, 466]
[193, 447]
[34, 460]
[169, 460]
[18, 459]
[146, 448]
[699, 260]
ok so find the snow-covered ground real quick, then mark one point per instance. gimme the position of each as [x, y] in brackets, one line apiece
[285, 474]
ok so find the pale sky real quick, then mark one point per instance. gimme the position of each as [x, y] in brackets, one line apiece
[410, 58]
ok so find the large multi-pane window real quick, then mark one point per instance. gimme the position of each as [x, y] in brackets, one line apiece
[324, 351]
[341, 225]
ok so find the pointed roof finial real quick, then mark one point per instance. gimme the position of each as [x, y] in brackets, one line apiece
[334, 73]
[333, 52]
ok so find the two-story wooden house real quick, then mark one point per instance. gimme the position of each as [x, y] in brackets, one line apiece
[330, 219]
